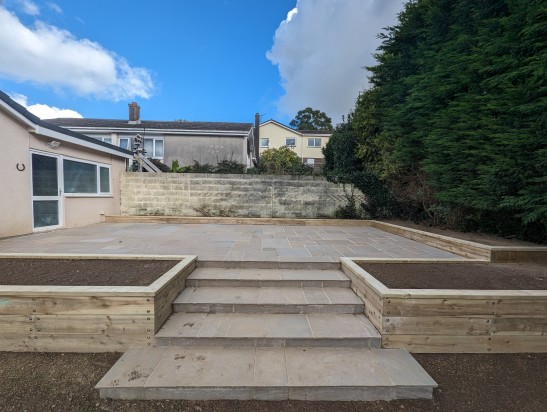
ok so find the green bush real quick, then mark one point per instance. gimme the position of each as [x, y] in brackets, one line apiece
[230, 167]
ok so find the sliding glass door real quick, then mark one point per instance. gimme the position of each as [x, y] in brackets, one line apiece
[46, 192]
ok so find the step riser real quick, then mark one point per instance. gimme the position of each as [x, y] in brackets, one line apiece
[265, 308]
[328, 393]
[190, 283]
[271, 342]
[267, 265]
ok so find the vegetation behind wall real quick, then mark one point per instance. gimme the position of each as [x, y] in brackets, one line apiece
[453, 127]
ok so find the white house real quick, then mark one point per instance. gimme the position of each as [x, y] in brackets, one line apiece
[306, 143]
[53, 177]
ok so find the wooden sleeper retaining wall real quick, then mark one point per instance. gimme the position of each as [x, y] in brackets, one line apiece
[88, 318]
[445, 321]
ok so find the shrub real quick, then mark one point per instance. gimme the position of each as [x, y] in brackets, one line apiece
[230, 167]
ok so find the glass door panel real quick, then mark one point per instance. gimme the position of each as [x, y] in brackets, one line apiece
[46, 213]
[46, 199]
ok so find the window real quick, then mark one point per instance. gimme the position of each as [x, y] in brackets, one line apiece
[314, 142]
[291, 142]
[106, 139]
[153, 148]
[265, 142]
[125, 143]
[85, 178]
[310, 162]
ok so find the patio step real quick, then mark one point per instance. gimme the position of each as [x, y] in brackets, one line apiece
[268, 300]
[203, 373]
[257, 277]
[268, 330]
[248, 333]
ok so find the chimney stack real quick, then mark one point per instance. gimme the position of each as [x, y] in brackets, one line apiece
[257, 138]
[134, 113]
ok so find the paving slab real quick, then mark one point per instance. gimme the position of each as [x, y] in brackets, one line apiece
[268, 300]
[268, 330]
[201, 373]
[230, 243]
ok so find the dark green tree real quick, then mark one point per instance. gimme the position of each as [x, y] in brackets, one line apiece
[342, 165]
[310, 119]
[455, 120]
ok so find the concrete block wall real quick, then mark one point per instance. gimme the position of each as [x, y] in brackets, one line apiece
[186, 194]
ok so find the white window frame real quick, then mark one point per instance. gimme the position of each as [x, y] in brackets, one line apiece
[315, 140]
[128, 147]
[153, 154]
[97, 176]
[290, 138]
[102, 138]
[310, 161]
[59, 197]
[265, 146]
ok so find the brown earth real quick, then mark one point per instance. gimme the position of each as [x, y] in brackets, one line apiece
[501, 276]
[467, 383]
[84, 272]
[482, 238]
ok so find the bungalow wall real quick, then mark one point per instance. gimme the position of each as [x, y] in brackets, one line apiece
[16, 199]
[204, 149]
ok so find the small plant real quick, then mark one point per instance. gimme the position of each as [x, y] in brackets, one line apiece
[351, 210]
[175, 167]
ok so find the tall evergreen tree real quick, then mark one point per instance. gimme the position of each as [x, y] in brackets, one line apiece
[455, 120]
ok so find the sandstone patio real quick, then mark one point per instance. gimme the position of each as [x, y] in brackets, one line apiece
[219, 242]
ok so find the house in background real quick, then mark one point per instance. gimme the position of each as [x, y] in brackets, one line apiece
[306, 143]
[53, 177]
[204, 142]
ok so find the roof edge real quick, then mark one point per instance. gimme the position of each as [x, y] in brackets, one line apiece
[31, 120]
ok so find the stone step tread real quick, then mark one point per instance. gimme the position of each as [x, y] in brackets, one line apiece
[201, 373]
[274, 326]
[266, 274]
[268, 296]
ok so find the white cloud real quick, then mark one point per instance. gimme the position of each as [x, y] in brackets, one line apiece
[55, 7]
[43, 111]
[291, 14]
[47, 55]
[29, 7]
[321, 49]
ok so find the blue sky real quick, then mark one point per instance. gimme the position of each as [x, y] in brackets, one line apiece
[206, 60]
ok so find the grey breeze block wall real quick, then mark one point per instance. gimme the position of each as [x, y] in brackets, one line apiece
[189, 194]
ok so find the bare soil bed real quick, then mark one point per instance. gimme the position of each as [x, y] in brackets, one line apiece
[467, 383]
[84, 272]
[499, 276]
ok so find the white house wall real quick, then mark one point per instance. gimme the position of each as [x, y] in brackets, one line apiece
[277, 135]
[15, 196]
[15, 199]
